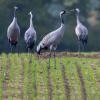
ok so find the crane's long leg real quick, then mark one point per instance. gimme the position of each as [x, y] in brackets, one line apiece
[11, 48]
[79, 46]
[60, 59]
[18, 49]
[28, 50]
[84, 47]
[30, 55]
[54, 59]
[49, 59]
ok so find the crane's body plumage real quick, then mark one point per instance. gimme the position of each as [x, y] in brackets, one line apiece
[53, 38]
[13, 31]
[30, 35]
[81, 32]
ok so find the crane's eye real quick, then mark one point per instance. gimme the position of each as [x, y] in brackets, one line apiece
[64, 12]
[43, 44]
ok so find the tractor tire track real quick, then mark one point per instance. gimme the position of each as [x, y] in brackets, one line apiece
[66, 83]
[7, 77]
[82, 83]
[50, 87]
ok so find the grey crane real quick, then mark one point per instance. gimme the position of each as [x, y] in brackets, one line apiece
[30, 35]
[80, 30]
[13, 31]
[52, 39]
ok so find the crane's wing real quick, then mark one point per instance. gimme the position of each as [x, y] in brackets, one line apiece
[13, 31]
[53, 37]
[81, 32]
[30, 35]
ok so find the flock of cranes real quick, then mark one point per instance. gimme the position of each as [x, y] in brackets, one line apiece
[51, 40]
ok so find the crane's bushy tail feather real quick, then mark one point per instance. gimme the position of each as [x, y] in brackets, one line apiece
[30, 43]
[13, 43]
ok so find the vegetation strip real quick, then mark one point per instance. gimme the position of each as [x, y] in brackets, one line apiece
[84, 95]
[21, 79]
[66, 84]
[42, 82]
[50, 89]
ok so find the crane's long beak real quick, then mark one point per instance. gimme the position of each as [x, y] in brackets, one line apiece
[70, 11]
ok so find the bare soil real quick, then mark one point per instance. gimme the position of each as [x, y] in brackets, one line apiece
[70, 54]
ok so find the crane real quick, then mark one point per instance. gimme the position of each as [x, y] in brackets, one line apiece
[52, 39]
[13, 31]
[80, 30]
[30, 35]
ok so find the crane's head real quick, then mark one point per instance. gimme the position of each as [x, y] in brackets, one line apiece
[62, 12]
[38, 49]
[15, 7]
[30, 13]
[77, 10]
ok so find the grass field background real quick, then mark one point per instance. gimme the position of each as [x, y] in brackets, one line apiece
[75, 77]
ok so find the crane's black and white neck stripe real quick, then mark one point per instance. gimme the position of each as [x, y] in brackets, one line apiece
[61, 16]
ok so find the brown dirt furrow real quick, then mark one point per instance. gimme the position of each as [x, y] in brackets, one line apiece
[96, 77]
[70, 54]
[5, 82]
[82, 83]
[0, 66]
[66, 82]
[57, 87]
[50, 87]
[42, 88]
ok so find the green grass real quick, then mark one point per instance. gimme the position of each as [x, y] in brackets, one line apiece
[30, 81]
